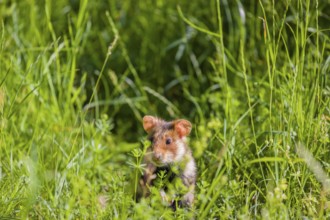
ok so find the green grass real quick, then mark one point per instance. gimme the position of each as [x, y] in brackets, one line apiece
[76, 78]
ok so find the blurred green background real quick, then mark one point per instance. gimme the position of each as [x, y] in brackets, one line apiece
[159, 56]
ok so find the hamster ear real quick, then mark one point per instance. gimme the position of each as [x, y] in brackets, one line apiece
[182, 127]
[149, 122]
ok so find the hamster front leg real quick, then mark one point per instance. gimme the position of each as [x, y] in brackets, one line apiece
[148, 176]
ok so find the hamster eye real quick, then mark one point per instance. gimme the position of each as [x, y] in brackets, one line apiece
[168, 141]
[151, 139]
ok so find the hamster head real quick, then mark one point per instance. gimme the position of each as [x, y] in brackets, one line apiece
[168, 139]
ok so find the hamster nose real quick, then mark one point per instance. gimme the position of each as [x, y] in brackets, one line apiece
[157, 156]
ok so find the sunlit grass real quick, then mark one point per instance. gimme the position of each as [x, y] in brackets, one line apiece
[76, 79]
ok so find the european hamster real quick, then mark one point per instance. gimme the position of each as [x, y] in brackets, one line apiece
[169, 153]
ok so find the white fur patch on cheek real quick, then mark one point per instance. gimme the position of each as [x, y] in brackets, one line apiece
[168, 158]
[180, 151]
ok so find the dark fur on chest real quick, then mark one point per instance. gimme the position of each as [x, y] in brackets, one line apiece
[167, 173]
